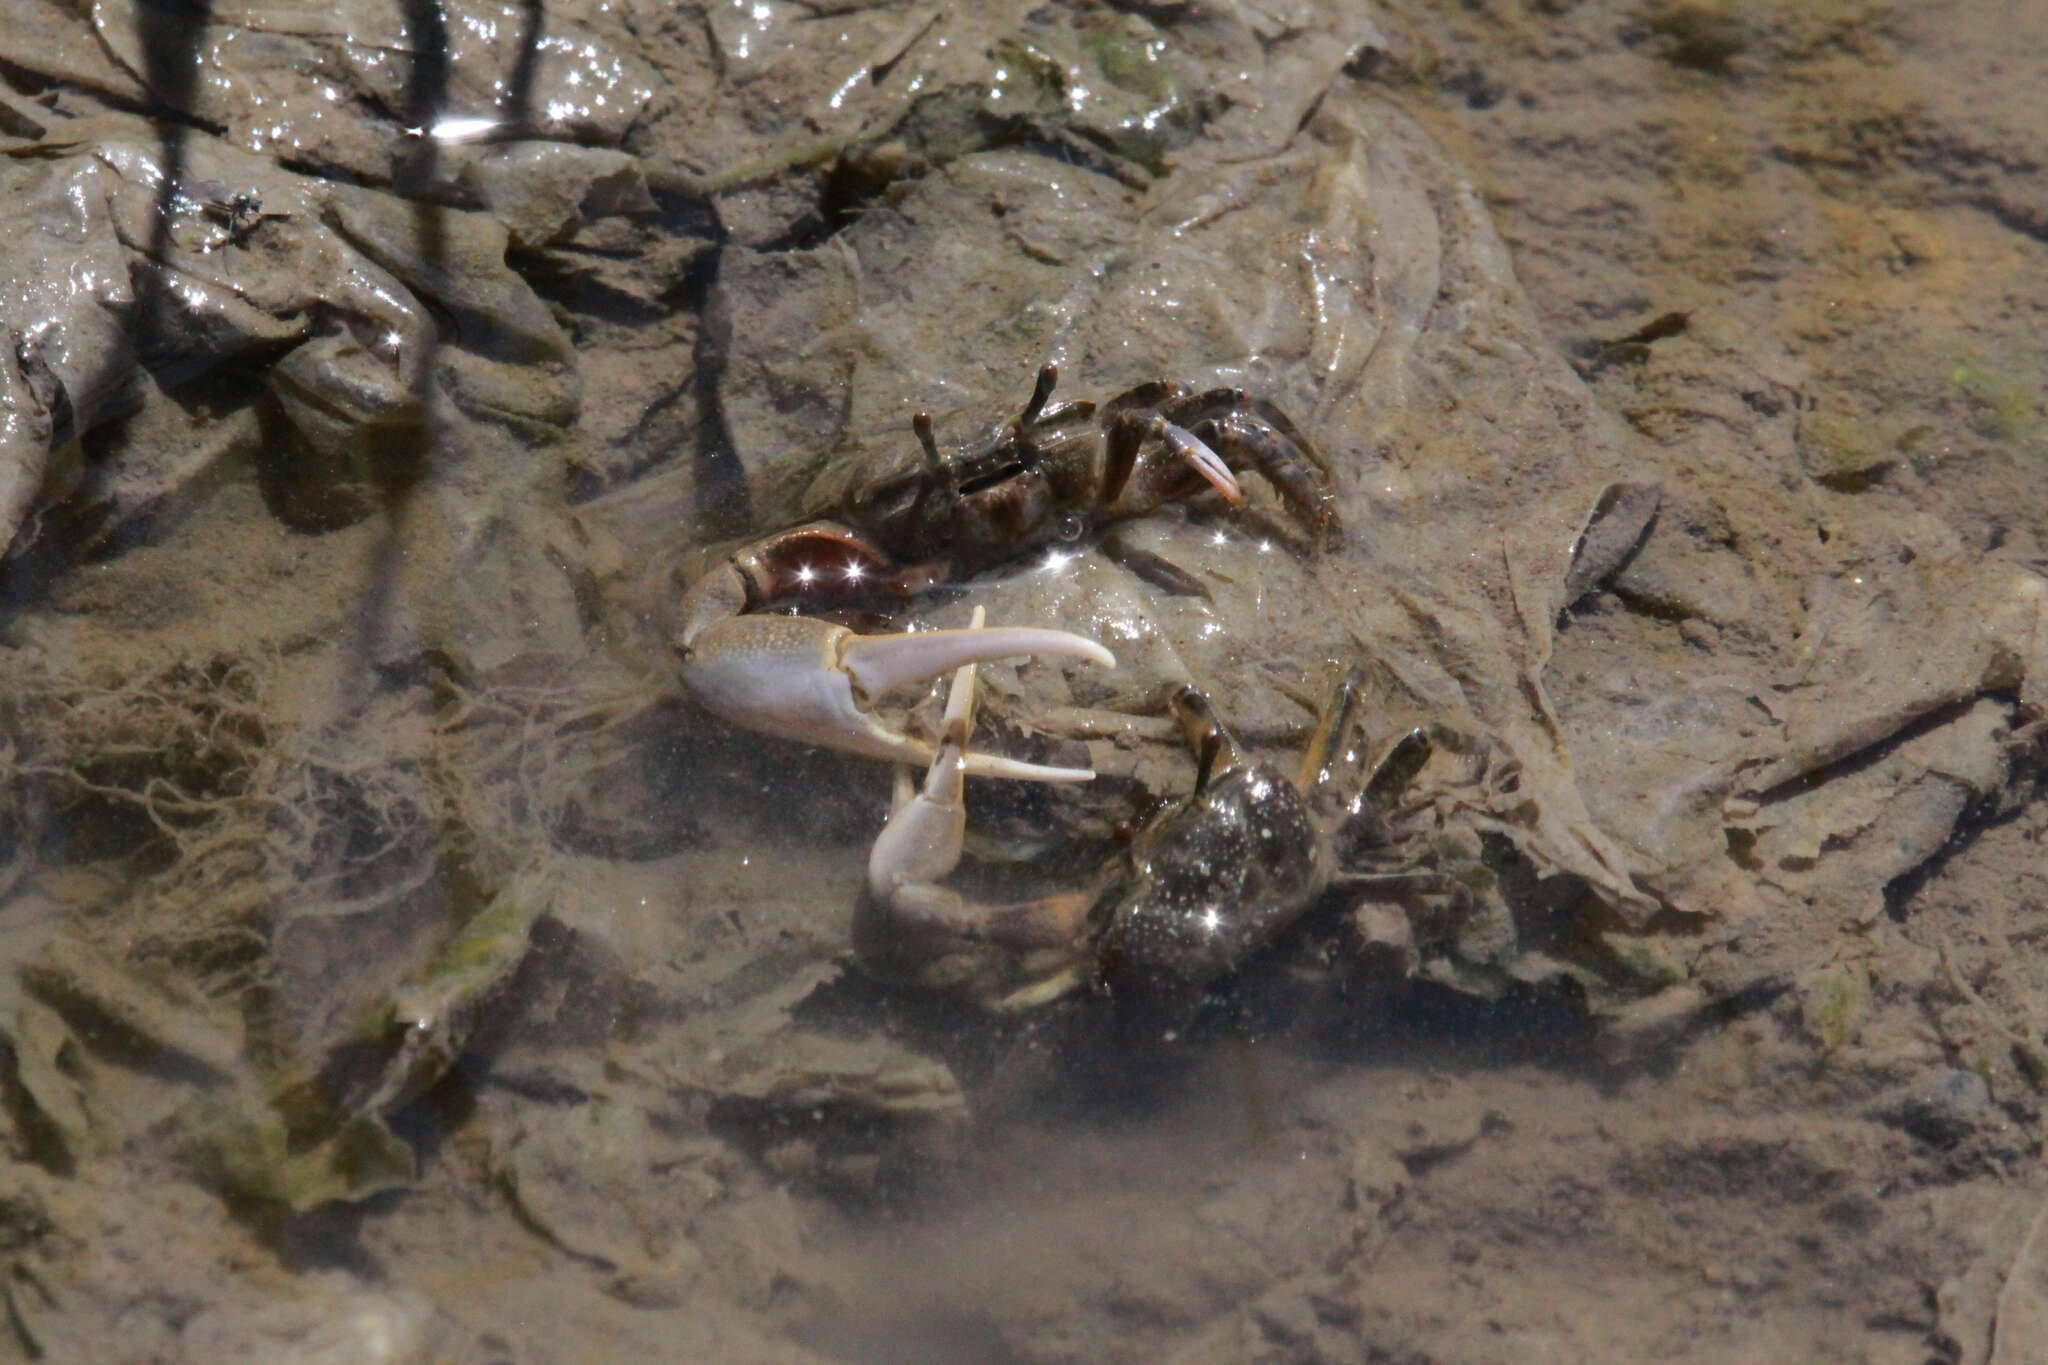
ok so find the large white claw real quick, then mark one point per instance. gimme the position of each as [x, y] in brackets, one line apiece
[814, 682]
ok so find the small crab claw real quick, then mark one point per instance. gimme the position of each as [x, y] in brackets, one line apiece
[811, 681]
[1204, 461]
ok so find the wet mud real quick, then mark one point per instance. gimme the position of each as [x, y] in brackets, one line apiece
[396, 963]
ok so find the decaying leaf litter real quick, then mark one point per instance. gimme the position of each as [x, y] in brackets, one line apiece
[427, 733]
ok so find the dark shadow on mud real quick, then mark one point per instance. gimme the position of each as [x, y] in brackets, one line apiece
[170, 35]
[1990, 811]
[1090, 1060]
[721, 486]
[399, 473]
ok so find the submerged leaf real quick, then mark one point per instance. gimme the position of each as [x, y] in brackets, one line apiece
[438, 1012]
[238, 1144]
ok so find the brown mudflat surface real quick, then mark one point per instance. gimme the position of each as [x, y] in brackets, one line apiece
[308, 738]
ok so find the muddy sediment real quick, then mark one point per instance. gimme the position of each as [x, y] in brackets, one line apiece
[392, 958]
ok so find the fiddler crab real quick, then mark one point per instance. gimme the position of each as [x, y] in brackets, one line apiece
[1209, 880]
[1053, 472]
[1206, 882]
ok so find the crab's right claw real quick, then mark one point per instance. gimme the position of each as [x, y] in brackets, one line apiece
[815, 682]
[1196, 454]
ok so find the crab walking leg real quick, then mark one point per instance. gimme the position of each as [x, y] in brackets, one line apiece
[811, 681]
[921, 845]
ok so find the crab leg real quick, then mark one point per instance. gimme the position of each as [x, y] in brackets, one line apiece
[921, 845]
[1128, 432]
[814, 682]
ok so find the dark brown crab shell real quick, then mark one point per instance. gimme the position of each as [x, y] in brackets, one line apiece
[995, 495]
[1214, 878]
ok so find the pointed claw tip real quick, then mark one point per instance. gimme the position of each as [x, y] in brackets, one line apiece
[1082, 648]
[995, 765]
[1034, 641]
[877, 663]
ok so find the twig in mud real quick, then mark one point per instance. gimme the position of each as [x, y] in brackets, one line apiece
[672, 178]
[2032, 1060]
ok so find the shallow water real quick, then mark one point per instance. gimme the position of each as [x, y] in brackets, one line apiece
[396, 963]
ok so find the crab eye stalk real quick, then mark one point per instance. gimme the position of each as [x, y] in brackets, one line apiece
[1022, 449]
[1048, 375]
[942, 481]
[921, 423]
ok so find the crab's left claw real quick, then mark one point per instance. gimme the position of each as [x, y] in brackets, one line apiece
[815, 682]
